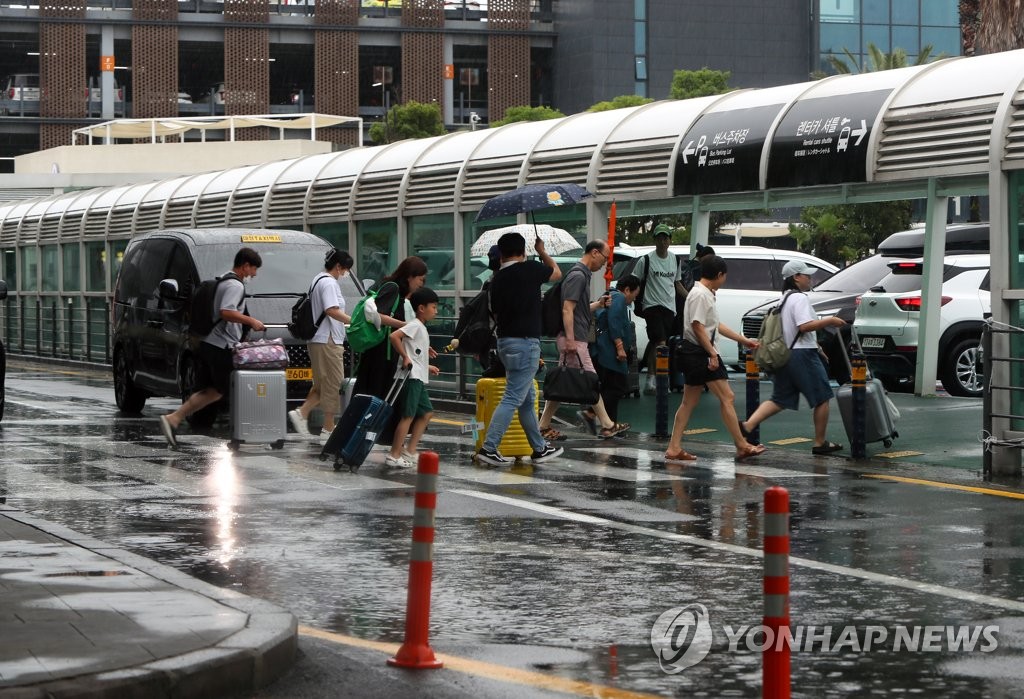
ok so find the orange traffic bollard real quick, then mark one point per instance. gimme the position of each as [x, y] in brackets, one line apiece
[416, 652]
[775, 659]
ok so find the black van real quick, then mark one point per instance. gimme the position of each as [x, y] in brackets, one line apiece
[152, 349]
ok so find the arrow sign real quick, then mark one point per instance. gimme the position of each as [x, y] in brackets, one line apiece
[859, 133]
[689, 150]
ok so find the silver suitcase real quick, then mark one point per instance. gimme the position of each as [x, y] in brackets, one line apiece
[259, 408]
[878, 422]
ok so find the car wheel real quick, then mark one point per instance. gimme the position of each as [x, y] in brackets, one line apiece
[959, 374]
[129, 398]
[200, 419]
[897, 384]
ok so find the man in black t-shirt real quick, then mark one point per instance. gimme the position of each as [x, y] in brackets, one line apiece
[516, 305]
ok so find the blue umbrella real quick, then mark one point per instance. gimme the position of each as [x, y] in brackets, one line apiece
[531, 197]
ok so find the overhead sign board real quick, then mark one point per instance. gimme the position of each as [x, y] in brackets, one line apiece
[722, 151]
[824, 140]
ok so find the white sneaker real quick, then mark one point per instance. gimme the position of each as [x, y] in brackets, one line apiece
[392, 462]
[298, 422]
[652, 385]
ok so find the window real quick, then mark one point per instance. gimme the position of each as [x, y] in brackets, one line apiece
[432, 239]
[378, 248]
[878, 35]
[906, 38]
[116, 255]
[50, 273]
[95, 267]
[876, 11]
[30, 269]
[905, 12]
[836, 37]
[943, 40]
[755, 275]
[71, 274]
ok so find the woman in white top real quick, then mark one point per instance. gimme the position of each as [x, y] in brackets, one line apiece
[702, 364]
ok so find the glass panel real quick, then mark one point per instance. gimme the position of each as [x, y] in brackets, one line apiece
[377, 242]
[640, 37]
[877, 35]
[11, 269]
[474, 269]
[640, 88]
[641, 68]
[904, 12]
[116, 254]
[51, 273]
[29, 269]
[876, 11]
[334, 233]
[95, 267]
[71, 273]
[945, 13]
[839, 10]
[574, 221]
[942, 40]
[836, 37]
[432, 238]
[906, 38]
[639, 9]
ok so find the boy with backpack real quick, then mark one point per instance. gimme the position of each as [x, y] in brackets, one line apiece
[214, 351]
[411, 343]
[803, 372]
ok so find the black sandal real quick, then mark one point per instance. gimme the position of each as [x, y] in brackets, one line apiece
[826, 448]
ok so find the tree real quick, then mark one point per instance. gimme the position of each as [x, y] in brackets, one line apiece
[880, 60]
[409, 120]
[620, 102]
[846, 232]
[514, 114]
[687, 84]
[1000, 24]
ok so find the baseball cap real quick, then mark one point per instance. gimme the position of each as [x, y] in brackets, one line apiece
[662, 229]
[797, 267]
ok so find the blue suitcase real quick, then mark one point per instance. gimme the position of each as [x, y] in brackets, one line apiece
[360, 425]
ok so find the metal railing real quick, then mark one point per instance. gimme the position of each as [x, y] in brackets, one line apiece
[70, 328]
[987, 360]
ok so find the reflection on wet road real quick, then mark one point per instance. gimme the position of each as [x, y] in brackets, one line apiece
[572, 560]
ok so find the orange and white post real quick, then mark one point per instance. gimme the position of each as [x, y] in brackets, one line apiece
[775, 658]
[416, 651]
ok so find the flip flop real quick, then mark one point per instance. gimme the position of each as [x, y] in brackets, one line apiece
[609, 432]
[826, 448]
[752, 450]
[681, 455]
[744, 431]
[550, 434]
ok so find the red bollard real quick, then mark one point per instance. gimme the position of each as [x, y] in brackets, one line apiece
[416, 652]
[775, 659]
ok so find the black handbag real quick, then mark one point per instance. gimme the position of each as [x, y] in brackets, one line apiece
[566, 384]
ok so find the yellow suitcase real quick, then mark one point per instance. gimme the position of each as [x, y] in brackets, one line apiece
[488, 395]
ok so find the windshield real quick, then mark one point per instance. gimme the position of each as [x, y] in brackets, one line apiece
[287, 269]
[858, 277]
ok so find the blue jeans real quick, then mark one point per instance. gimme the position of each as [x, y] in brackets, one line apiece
[521, 357]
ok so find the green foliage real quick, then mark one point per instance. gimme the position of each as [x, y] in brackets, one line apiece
[847, 232]
[409, 120]
[514, 114]
[620, 102]
[699, 83]
[880, 60]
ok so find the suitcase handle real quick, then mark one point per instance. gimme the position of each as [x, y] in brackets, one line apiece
[396, 387]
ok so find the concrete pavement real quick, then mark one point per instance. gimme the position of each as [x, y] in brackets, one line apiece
[81, 618]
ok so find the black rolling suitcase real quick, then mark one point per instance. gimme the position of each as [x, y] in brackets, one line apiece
[676, 380]
[359, 427]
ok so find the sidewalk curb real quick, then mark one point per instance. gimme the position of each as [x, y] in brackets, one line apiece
[245, 661]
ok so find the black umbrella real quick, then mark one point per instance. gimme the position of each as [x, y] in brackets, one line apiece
[531, 197]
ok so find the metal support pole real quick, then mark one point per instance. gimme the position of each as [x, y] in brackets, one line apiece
[775, 658]
[753, 395]
[53, 329]
[858, 384]
[106, 332]
[39, 327]
[88, 331]
[71, 329]
[661, 393]
[416, 652]
[986, 400]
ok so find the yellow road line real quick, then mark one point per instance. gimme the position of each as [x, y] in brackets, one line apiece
[490, 671]
[442, 421]
[950, 486]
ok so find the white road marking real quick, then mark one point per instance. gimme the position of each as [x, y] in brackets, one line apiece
[891, 580]
[721, 467]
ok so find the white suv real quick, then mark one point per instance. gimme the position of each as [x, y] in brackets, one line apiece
[754, 277]
[888, 318]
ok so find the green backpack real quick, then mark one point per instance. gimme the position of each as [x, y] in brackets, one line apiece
[773, 353]
[362, 333]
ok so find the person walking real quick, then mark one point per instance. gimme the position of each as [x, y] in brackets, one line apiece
[577, 315]
[804, 374]
[326, 348]
[689, 275]
[412, 344]
[702, 364]
[661, 277]
[515, 302]
[214, 351]
[615, 341]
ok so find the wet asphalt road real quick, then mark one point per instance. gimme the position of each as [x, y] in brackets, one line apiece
[559, 569]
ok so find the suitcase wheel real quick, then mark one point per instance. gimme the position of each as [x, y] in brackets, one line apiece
[353, 468]
[886, 443]
[324, 455]
[233, 445]
[338, 464]
[279, 444]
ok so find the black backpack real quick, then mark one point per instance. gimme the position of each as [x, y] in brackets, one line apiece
[551, 310]
[201, 310]
[302, 324]
[638, 302]
[475, 328]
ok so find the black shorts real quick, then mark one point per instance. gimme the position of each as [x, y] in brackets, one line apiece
[214, 370]
[659, 324]
[694, 365]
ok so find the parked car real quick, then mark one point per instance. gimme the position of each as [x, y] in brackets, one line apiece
[888, 320]
[152, 349]
[213, 95]
[20, 95]
[754, 277]
[839, 295]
